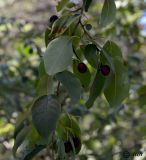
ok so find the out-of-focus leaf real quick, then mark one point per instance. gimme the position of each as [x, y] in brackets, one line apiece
[142, 95]
[22, 121]
[61, 5]
[87, 4]
[20, 138]
[33, 152]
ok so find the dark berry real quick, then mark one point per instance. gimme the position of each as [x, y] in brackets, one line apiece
[88, 27]
[24, 79]
[77, 144]
[53, 18]
[68, 146]
[82, 68]
[105, 70]
[30, 50]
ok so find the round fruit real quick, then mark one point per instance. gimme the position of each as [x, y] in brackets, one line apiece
[24, 79]
[53, 18]
[88, 27]
[82, 68]
[105, 70]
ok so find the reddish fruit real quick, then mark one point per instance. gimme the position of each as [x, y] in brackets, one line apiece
[53, 18]
[82, 68]
[105, 70]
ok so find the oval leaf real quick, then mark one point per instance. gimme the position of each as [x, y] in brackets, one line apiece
[108, 12]
[71, 83]
[45, 113]
[90, 54]
[113, 49]
[58, 55]
[118, 89]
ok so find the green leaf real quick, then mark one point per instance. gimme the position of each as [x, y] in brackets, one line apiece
[112, 49]
[87, 4]
[45, 113]
[61, 5]
[118, 89]
[45, 86]
[67, 126]
[20, 138]
[71, 83]
[47, 32]
[142, 95]
[42, 71]
[61, 149]
[63, 23]
[84, 78]
[36, 150]
[45, 83]
[90, 53]
[105, 57]
[96, 89]
[21, 122]
[34, 138]
[108, 13]
[142, 90]
[58, 55]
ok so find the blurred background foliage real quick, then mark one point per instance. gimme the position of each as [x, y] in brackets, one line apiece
[106, 132]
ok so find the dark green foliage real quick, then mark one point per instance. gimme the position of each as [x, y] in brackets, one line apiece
[75, 92]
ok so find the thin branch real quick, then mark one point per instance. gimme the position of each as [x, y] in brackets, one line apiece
[58, 89]
[76, 55]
